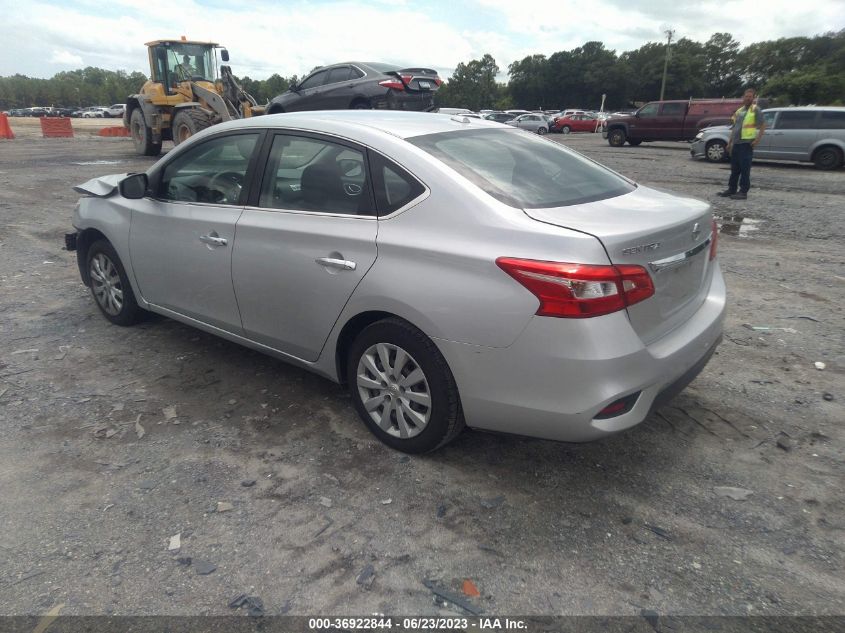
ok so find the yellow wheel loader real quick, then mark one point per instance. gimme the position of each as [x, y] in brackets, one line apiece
[185, 94]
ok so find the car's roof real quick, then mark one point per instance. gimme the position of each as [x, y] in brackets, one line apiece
[806, 108]
[395, 123]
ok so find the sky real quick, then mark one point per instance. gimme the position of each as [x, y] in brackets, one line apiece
[42, 37]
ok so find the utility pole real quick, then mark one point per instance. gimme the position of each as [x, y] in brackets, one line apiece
[669, 34]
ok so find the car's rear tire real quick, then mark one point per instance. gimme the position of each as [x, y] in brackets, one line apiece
[142, 135]
[186, 123]
[110, 285]
[716, 151]
[616, 137]
[565, 129]
[402, 387]
[827, 157]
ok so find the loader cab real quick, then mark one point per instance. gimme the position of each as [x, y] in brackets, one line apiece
[177, 61]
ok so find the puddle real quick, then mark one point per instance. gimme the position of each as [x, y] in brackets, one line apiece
[99, 162]
[738, 225]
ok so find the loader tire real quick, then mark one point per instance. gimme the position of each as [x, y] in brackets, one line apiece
[142, 135]
[186, 123]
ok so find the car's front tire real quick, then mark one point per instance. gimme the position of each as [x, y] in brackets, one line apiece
[616, 137]
[716, 151]
[402, 387]
[110, 285]
[565, 129]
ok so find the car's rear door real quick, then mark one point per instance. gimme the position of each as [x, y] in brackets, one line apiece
[338, 91]
[181, 237]
[305, 241]
[670, 124]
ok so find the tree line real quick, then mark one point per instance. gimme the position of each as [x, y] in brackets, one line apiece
[794, 70]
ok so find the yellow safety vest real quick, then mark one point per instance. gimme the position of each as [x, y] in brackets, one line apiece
[749, 123]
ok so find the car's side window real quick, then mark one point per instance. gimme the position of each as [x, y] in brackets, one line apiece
[394, 187]
[336, 75]
[769, 118]
[799, 120]
[672, 109]
[354, 73]
[311, 174]
[649, 110]
[832, 120]
[212, 172]
[313, 81]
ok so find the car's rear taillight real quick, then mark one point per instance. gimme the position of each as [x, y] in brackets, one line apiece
[438, 81]
[578, 291]
[714, 240]
[397, 83]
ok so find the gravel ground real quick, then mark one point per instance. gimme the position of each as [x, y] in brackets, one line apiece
[115, 440]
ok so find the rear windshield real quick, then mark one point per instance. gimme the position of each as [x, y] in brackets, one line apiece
[383, 68]
[523, 170]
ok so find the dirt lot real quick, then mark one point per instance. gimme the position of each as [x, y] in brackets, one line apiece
[631, 523]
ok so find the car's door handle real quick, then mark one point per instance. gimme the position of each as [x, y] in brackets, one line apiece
[343, 264]
[213, 239]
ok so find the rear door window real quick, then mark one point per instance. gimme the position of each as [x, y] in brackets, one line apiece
[336, 75]
[672, 109]
[832, 120]
[314, 174]
[522, 170]
[799, 120]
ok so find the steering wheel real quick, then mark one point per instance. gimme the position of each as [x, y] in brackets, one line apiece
[229, 184]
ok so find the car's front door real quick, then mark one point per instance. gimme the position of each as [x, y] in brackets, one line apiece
[181, 237]
[305, 241]
[309, 93]
[644, 124]
[764, 147]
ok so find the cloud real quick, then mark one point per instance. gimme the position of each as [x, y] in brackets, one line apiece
[295, 36]
[66, 58]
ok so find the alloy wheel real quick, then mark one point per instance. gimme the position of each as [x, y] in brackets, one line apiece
[105, 282]
[394, 390]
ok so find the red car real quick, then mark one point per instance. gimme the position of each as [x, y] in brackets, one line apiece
[576, 123]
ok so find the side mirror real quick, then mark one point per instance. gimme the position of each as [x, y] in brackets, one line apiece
[293, 87]
[224, 55]
[134, 186]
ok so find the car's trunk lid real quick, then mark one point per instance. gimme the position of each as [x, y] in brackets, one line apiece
[666, 234]
[418, 79]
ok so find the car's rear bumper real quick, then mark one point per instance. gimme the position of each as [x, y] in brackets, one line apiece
[410, 101]
[559, 374]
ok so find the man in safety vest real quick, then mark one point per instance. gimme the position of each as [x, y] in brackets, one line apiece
[747, 130]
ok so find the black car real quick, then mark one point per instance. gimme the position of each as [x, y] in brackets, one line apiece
[499, 117]
[358, 85]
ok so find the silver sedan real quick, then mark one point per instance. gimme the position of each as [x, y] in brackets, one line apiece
[452, 272]
[538, 123]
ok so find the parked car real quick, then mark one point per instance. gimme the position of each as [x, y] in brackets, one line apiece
[96, 112]
[499, 117]
[808, 134]
[115, 110]
[516, 113]
[567, 302]
[670, 120]
[35, 112]
[463, 111]
[17, 112]
[533, 122]
[358, 85]
[575, 123]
